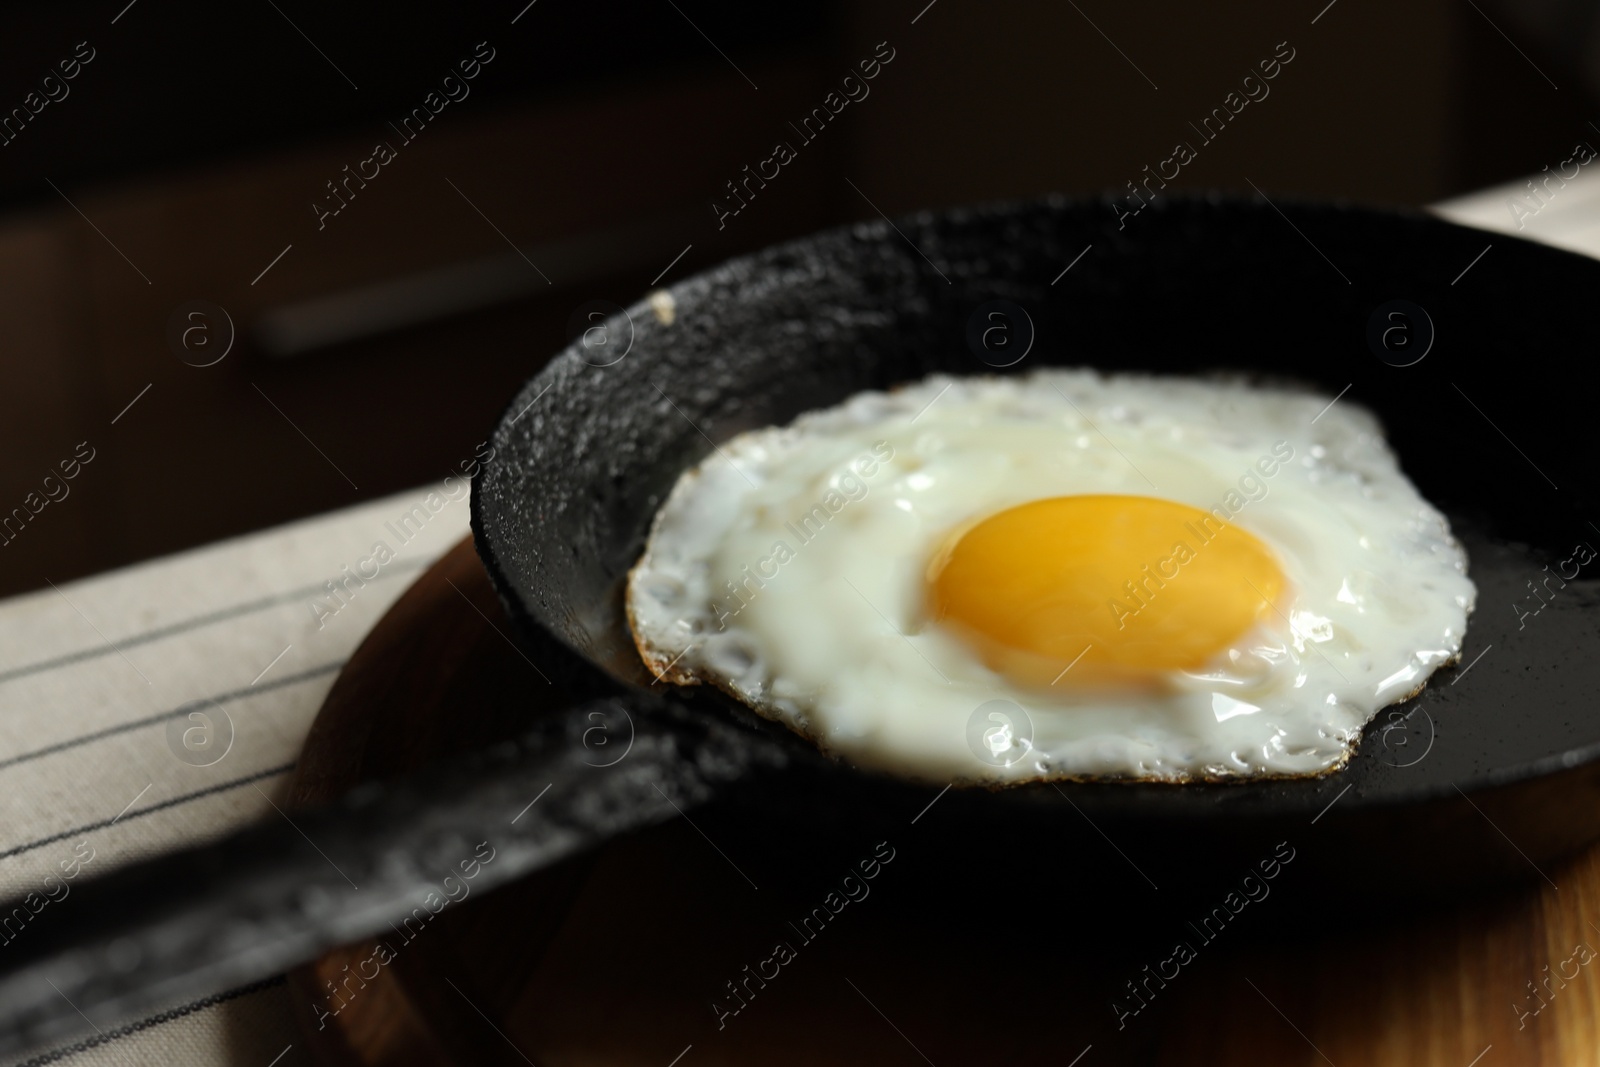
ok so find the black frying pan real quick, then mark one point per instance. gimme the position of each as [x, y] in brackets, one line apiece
[1189, 287]
[1491, 772]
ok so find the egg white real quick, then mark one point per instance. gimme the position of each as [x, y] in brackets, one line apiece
[789, 569]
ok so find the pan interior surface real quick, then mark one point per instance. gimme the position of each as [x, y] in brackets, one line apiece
[1483, 420]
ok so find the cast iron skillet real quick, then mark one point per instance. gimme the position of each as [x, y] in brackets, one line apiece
[1492, 772]
[1483, 418]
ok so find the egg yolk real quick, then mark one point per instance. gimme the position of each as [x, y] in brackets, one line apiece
[1091, 588]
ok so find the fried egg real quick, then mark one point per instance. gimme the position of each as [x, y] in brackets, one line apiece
[1059, 575]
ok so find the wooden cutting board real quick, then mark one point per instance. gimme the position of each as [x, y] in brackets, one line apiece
[663, 949]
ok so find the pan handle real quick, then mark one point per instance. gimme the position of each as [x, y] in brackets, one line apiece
[284, 890]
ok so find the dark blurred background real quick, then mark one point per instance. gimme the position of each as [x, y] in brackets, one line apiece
[187, 154]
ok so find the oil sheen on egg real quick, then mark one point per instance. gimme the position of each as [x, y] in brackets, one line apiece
[1058, 575]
